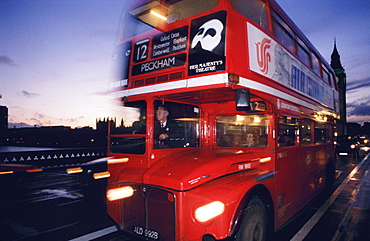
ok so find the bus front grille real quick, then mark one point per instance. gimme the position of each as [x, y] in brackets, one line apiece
[150, 213]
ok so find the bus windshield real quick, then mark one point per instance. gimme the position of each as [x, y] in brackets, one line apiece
[155, 12]
[128, 131]
[176, 125]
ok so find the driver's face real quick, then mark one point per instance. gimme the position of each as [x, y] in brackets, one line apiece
[161, 115]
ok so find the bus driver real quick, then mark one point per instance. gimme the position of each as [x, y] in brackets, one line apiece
[165, 131]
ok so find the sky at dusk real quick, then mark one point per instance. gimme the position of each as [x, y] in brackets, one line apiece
[56, 55]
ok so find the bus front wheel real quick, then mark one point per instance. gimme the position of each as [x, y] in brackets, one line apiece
[254, 224]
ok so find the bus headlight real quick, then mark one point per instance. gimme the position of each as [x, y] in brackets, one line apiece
[209, 211]
[120, 193]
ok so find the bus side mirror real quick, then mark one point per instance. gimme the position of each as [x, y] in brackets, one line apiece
[242, 98]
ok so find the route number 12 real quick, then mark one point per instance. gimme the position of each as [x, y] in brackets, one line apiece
[141, 50]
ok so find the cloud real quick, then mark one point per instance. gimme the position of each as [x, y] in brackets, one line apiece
[39, 115]
[358, 119]
[359, 84]
[37, 121]
[7, 61]
[40, 119]
[45, 120]
[73, 120]
[29, 94]
[359, 110]
[18, 125]
[360, 107]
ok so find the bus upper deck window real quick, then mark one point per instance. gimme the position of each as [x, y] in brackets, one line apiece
[255, 10]
[156, 12]
[303, 53]
[282, 31]
[315, 64]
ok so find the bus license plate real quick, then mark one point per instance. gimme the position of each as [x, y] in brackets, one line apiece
[146, 233]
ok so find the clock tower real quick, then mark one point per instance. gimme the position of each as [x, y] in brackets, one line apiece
[340, 75]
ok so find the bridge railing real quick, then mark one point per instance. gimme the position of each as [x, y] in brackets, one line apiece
[53, 158]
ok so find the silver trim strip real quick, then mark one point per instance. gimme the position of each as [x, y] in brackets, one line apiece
[212, 80]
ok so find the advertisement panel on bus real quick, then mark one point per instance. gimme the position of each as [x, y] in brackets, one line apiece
[268, 58]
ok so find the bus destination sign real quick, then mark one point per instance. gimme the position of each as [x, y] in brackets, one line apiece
[170, 42]
[159, 64]
[162, 45]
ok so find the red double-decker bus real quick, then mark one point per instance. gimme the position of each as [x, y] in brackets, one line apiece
[227, 120]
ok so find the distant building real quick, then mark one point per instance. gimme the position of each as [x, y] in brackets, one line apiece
[354, 129]
[366, 128]
[62, 136]
[58, 136]
[3, 123]
[102, 125]
[342, 85]
[3, 118]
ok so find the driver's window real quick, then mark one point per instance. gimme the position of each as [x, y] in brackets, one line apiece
[175, 125]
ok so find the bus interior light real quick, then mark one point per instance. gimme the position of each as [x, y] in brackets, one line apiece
[144, 8]
[257, 119]
[158, 15]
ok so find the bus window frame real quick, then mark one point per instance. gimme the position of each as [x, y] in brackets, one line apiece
[315, 64]
[178, 121]
[124, 136]
[303, 123]
[278, 24]
[248, 128]
[280, 135]
[303, 53]
[263, 20]
[328, 135]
